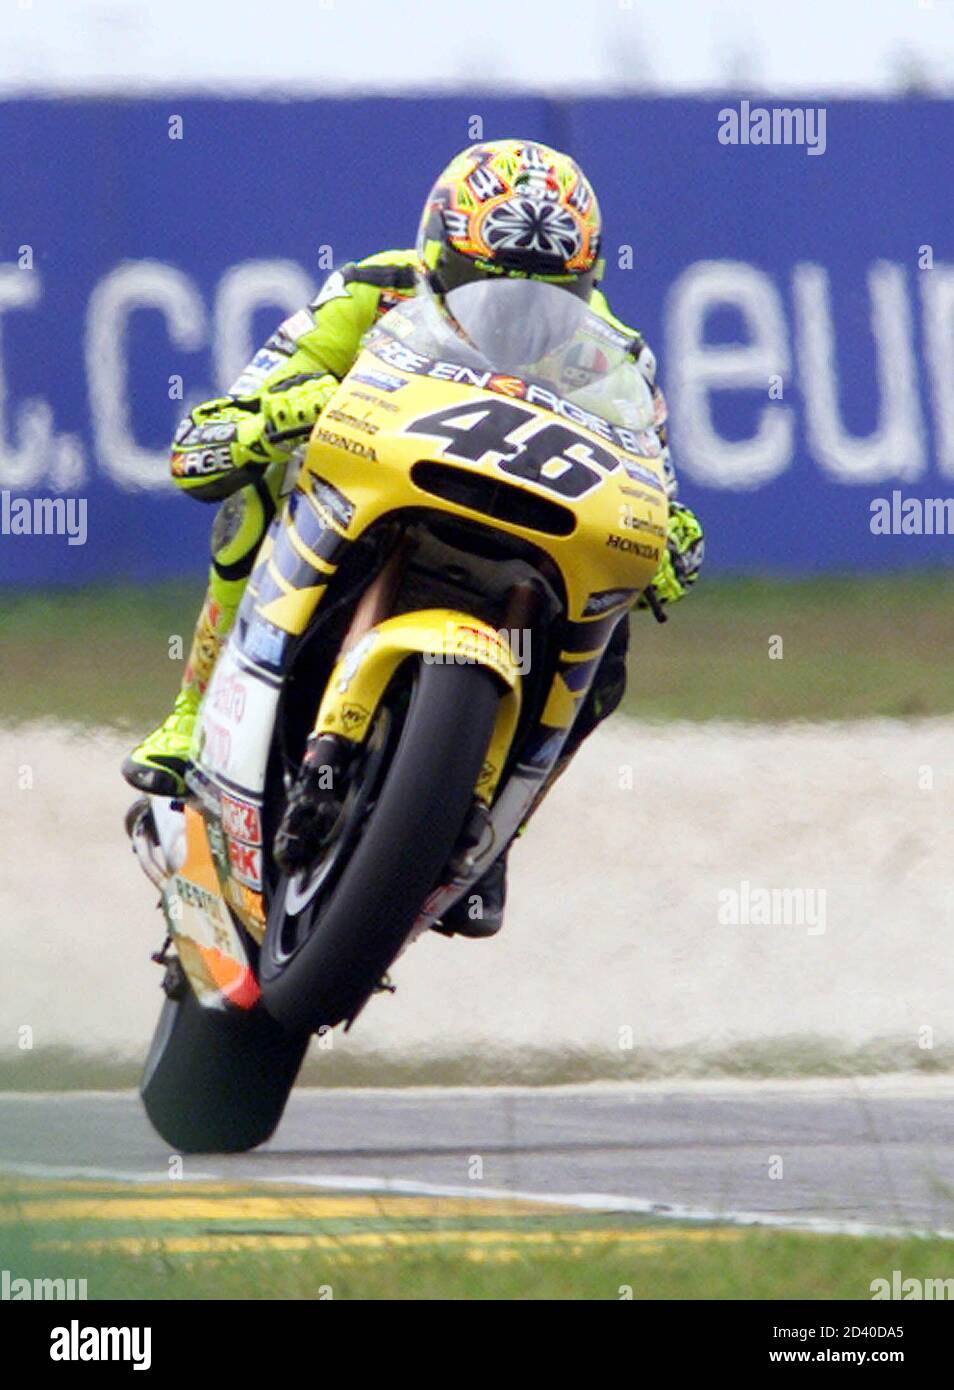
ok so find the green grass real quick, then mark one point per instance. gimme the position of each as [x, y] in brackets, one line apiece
[852, 647]
[470, 1254]
[94, 656]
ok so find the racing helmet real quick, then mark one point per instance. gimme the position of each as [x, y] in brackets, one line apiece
[511, 208]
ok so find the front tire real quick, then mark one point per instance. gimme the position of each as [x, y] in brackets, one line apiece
[217, 1080]
[426, 795]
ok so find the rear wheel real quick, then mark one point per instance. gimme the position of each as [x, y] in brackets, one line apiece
[325, 951]
[217, 1081]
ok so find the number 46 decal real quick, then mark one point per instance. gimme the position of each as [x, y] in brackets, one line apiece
[553, 456]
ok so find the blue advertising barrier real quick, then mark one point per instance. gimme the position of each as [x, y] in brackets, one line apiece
[793, 269]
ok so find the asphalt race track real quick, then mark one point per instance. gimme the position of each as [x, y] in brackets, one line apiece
[875, 1151]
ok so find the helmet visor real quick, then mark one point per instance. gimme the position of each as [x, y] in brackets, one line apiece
[515, 323]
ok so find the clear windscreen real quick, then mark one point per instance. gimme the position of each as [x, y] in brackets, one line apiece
[537, 332]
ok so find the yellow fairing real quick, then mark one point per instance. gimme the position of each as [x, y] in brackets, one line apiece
[363, 445]
[361, 676]
[367, 442]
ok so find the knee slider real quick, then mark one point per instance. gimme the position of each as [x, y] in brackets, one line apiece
[237, 532]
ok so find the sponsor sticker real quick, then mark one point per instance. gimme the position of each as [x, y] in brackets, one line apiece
[346, 444]
[508, 385]
[637, 492]
[376, 401]
[265, 643]
[353, 718]
[382, 380]
[631, 521]
[228, 697]
[631, 547]
[251, 378]
[216, 742]
[246, 863]
[241, 820]
[194, 895]
[298, 325]
[350, 662]
[606, 600]
[397, 355]
[356, 422]
[642, 475]
[197, 463]
[214, 433]
[329, 499]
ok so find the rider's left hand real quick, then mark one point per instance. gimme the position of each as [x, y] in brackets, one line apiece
[682, 560]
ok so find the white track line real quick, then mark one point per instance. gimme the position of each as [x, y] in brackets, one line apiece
[579, 1201]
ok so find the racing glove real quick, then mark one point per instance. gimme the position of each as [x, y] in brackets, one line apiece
[683, 557]
[220, 442]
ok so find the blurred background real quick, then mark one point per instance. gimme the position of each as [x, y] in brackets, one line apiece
[179, 178]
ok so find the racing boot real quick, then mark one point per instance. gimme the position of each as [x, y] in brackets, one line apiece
[479, 912]
[160, 762]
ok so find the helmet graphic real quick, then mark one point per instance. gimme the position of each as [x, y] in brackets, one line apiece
[512, 207]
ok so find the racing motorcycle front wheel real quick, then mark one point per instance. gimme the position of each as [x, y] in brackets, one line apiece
[333, 931]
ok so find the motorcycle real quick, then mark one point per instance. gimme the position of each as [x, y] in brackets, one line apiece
[477, 507]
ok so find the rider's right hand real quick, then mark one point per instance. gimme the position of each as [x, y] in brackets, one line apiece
[220, 442]
[214, 443]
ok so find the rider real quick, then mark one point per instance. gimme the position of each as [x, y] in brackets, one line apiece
[502, 207]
